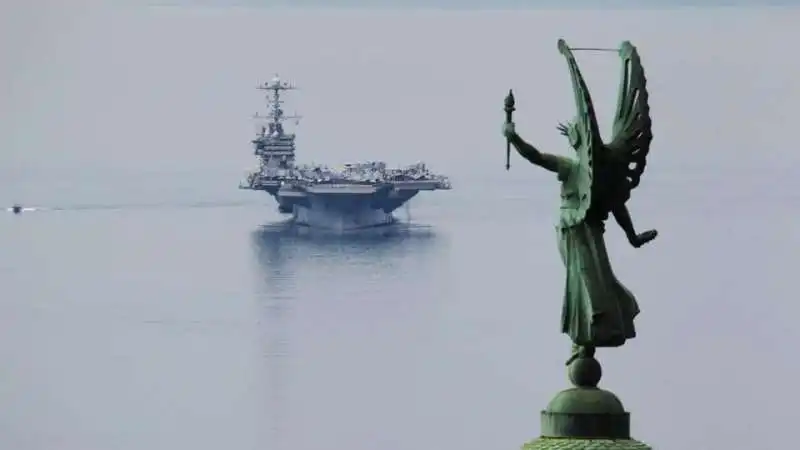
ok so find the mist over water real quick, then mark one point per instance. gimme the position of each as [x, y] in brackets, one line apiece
[149, 303]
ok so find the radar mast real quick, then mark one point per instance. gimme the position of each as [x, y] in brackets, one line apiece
[275, 114]
[273, 145]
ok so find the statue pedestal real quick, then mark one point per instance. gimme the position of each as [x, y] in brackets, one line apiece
[585, 417]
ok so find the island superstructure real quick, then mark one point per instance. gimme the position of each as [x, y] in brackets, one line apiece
[358, 195]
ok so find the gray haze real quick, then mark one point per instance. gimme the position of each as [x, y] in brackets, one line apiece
[475, 4]
[151, 312]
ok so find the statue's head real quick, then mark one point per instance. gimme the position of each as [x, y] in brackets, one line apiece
[570, 130]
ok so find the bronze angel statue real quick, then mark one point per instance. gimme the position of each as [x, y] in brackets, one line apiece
[598, 310]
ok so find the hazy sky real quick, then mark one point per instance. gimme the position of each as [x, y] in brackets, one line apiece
[134, 87]
[479, 4]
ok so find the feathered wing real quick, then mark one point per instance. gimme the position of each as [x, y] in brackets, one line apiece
[632, 131]
[589, 134]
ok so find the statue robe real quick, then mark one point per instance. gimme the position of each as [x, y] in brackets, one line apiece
[598, 310]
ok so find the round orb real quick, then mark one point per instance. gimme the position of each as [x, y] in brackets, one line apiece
[585, 372]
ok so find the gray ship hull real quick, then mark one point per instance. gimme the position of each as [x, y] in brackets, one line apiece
[345, 206]
[285, 205]
[323, 216]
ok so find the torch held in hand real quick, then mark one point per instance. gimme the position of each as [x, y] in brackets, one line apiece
[509, 109]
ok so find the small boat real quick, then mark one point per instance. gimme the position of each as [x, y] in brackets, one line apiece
[16, 209]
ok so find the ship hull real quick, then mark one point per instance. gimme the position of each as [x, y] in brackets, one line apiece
[329, 217]
[345, 206]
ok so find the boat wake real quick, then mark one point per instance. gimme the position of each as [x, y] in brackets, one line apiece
[131, 206]
[20, 210]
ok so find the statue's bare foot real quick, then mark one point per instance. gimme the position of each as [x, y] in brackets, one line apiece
[579, 351]
[644, 238]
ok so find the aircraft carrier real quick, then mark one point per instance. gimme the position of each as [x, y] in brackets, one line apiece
[358, 195]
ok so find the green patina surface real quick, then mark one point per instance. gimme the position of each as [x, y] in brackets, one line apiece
[584, 444]
[598, 310]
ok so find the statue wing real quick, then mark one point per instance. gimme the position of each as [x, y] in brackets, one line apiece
[632, 131]
[585, 124]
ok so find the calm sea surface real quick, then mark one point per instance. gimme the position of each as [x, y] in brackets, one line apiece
[149, 304]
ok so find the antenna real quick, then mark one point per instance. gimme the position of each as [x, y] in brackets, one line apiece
[275, 113]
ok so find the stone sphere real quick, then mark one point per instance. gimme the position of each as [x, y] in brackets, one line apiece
[585, 372]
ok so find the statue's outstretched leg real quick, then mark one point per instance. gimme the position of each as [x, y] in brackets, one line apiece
[580, 351]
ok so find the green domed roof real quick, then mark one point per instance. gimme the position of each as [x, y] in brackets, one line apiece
[586, 401]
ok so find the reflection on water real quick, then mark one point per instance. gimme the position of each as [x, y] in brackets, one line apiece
[136, 206]
[388, 233]
[279, 243]
[276, 304]
[295, 264]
